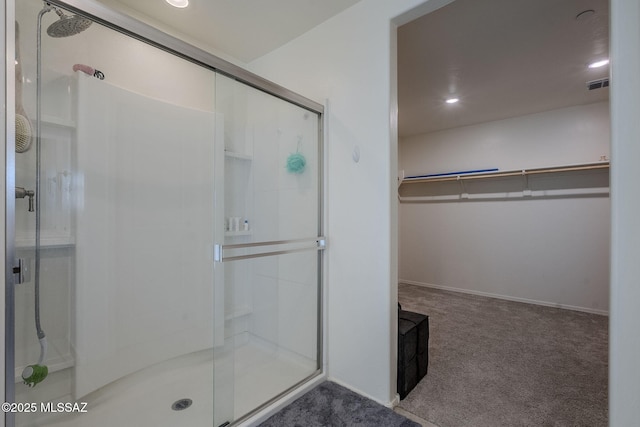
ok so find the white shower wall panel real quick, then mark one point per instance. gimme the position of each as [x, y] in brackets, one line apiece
[297, 303]
[266, 204]
[286, 207]
[284, 199]
[298, 212]
[285, 298]
[264, 321]
[144, 232]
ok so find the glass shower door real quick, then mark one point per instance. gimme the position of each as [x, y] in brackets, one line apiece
[268, 264]
[126, 159]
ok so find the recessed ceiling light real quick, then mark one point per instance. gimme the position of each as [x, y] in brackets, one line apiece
[599, 64]
[178, 3]
[452, 100]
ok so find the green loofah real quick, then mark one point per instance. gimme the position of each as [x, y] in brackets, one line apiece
[296, 163]
[34, 374]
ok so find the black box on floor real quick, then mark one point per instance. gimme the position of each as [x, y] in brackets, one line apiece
[413, 343]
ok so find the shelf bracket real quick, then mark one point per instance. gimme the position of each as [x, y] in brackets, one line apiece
[463, 191]
[526, 192]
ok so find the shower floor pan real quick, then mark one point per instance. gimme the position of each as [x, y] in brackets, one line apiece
[145, 398]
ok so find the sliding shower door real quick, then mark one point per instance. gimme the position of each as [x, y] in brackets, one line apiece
[172, 259]
[268, 262]
[123, 172]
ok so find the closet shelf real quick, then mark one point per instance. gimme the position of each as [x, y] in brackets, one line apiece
[419, 188]
[520, 172]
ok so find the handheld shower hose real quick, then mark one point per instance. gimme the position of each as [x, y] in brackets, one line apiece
[34, 374]
[65, 26]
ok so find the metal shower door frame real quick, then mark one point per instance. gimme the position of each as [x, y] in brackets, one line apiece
[7, 38]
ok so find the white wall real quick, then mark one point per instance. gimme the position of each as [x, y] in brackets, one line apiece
[553, 251]
[624, 375]
[564, 136]
[348, 61]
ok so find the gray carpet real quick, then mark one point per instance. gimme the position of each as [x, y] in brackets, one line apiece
[330, 405]
[502, 363]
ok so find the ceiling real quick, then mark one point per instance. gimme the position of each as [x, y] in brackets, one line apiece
[242, 29]
[501, 58]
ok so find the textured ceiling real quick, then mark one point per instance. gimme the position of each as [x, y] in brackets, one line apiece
[501, 58]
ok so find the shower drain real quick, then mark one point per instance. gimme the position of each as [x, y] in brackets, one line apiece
[181, 404]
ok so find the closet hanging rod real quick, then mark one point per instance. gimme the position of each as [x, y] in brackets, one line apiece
[522, 172]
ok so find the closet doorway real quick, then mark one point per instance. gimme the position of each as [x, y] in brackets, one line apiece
[504, 145]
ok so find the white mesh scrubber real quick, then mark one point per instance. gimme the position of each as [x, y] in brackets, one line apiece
[23, 133]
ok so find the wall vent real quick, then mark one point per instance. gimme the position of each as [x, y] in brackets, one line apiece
[597, 84]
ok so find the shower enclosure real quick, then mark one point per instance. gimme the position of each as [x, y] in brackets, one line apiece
[168, 227]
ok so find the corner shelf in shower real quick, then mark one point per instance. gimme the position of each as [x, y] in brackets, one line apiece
[237, 233]
[45, 242]
[245, 158]
[239, 156]
[237, 312]
[57, 121]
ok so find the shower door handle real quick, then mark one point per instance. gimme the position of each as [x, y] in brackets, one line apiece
[278, 247]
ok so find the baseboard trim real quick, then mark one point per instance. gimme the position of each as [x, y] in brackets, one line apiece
[390, 404]
[507, 297]
[395, 402]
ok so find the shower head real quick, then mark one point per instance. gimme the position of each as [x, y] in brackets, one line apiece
[68, 25]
